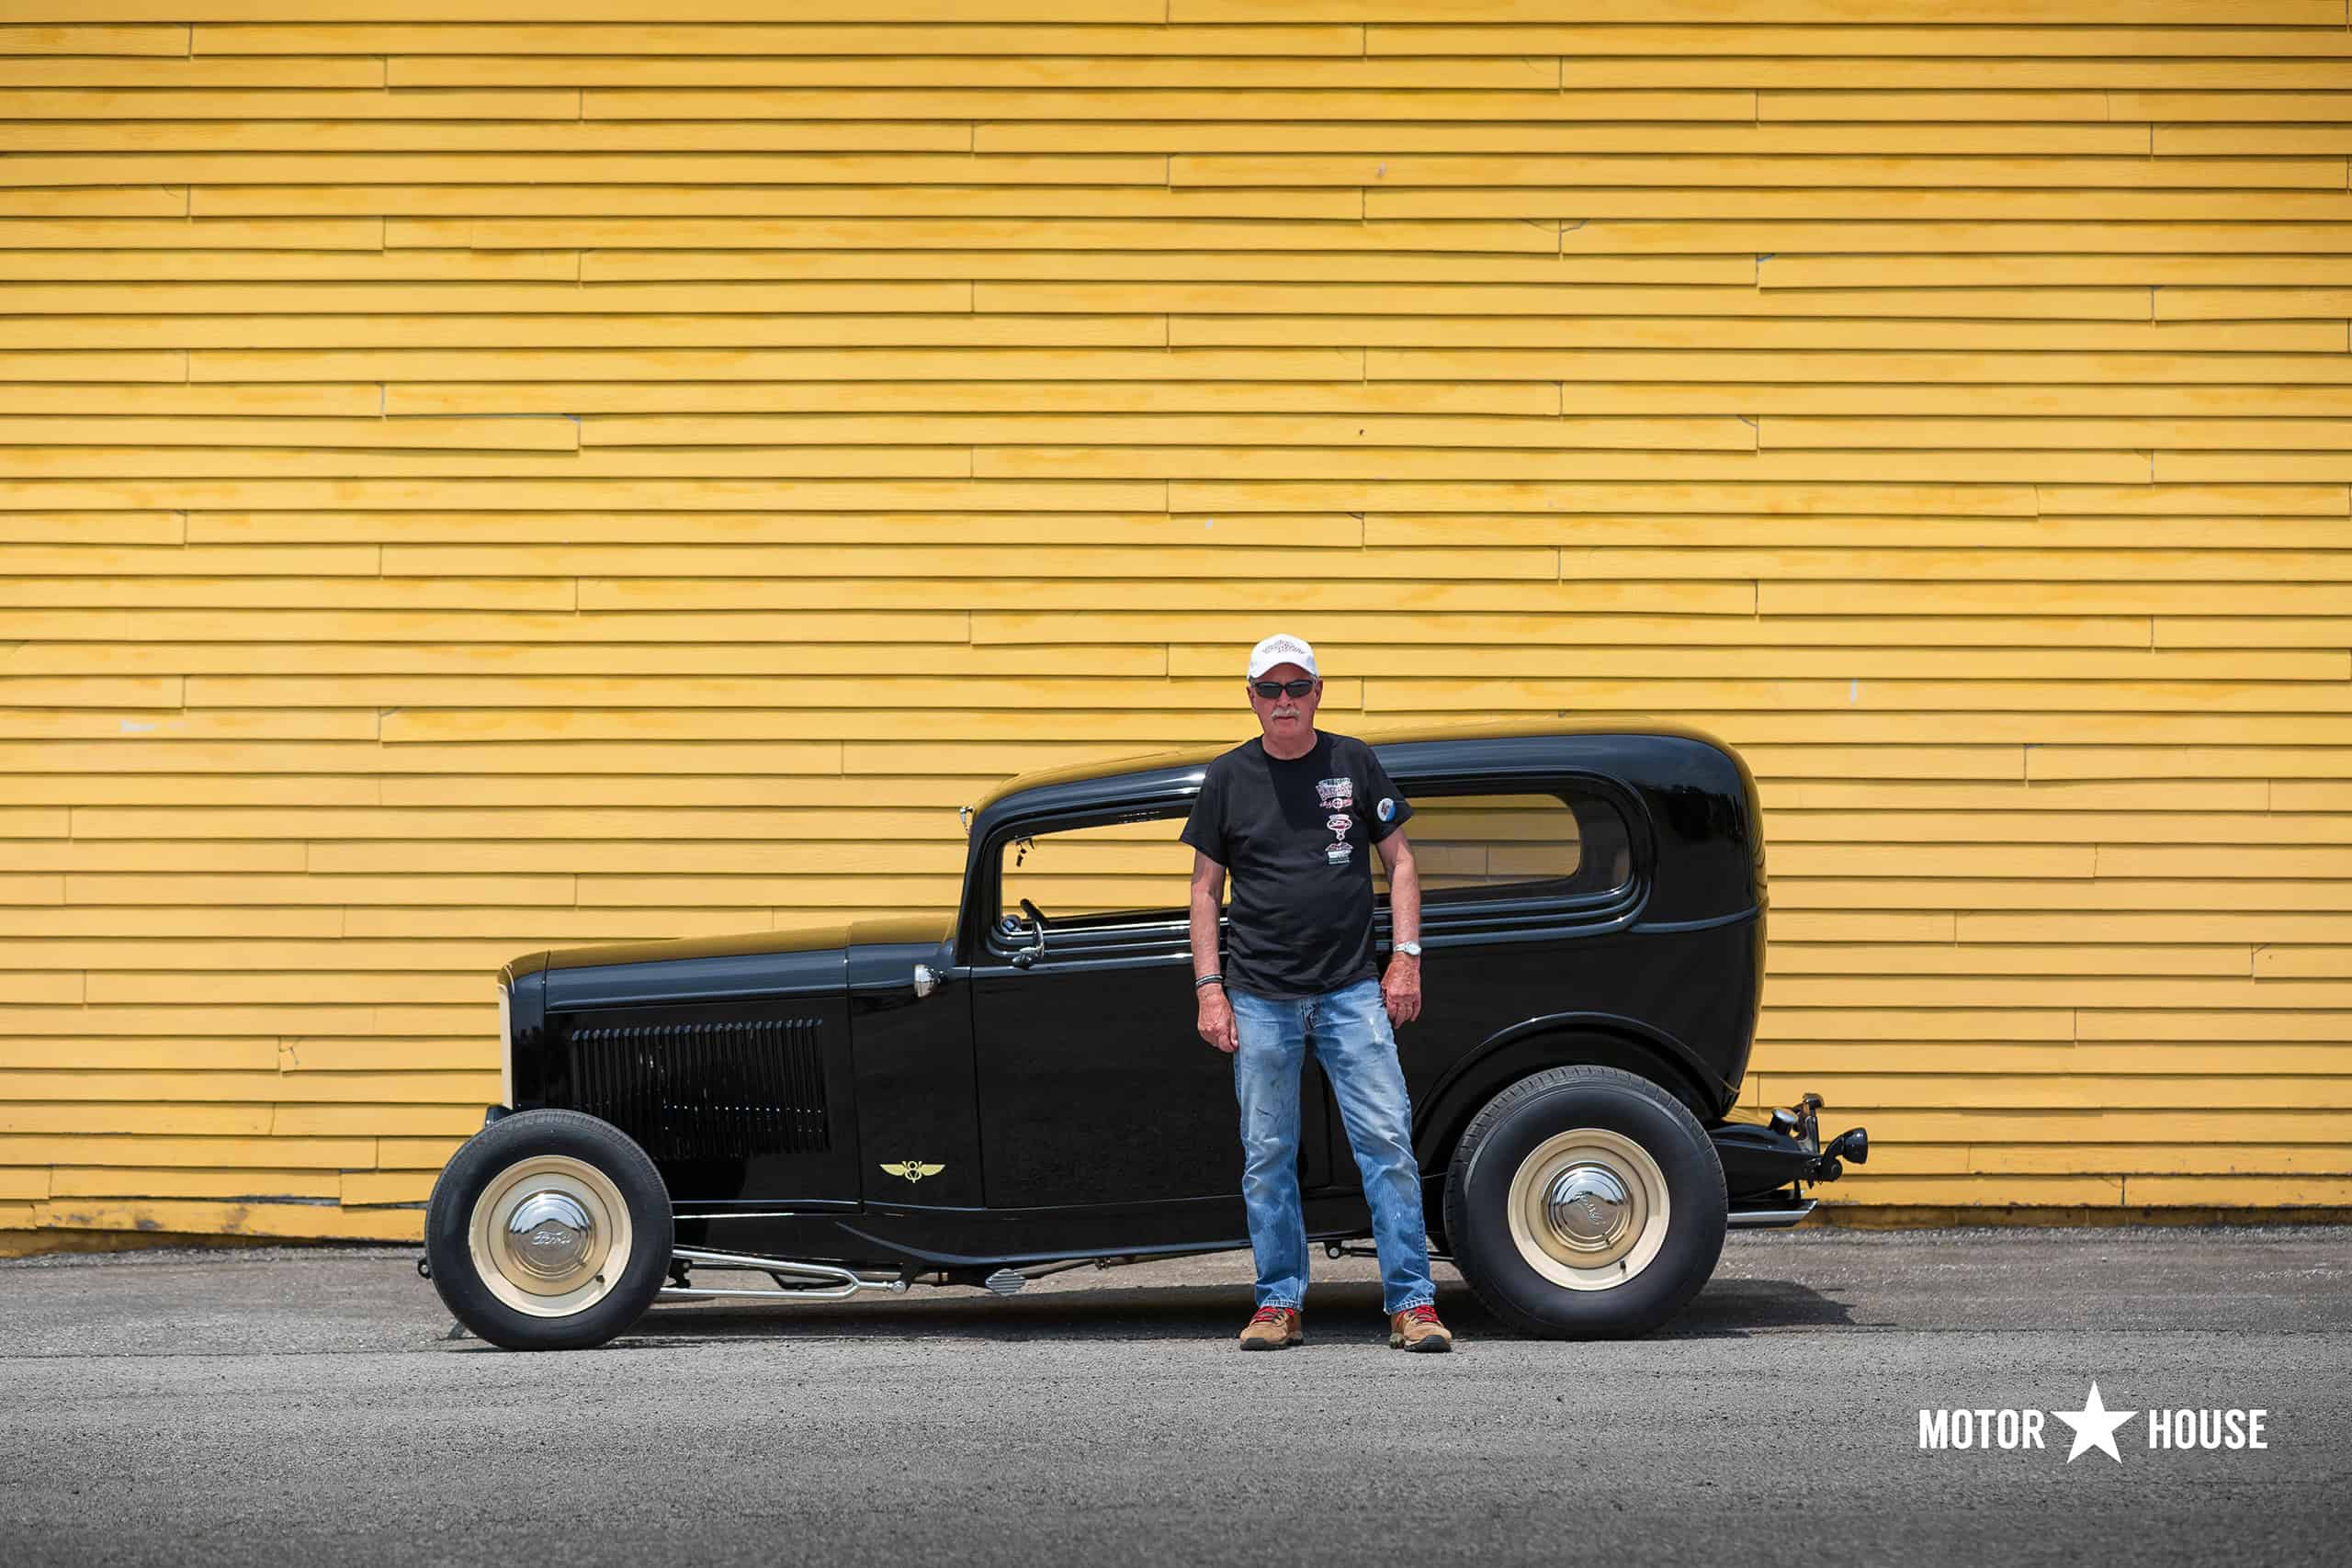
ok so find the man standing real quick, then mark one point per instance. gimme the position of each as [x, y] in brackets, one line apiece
[1295, 814]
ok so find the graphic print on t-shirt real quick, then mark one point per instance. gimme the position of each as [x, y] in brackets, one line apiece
[1336, 795]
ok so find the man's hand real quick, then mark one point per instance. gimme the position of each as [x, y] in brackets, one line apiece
[1400, 988]
[1217, 1024]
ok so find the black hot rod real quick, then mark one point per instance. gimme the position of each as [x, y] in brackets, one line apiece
[879, 1104]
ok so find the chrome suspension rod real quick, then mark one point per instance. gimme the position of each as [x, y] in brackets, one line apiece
[829, 1282]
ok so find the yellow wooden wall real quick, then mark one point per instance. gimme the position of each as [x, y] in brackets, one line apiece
[479, 476]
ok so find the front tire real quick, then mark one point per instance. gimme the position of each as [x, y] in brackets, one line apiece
[1585, 1202]
[549, 1230]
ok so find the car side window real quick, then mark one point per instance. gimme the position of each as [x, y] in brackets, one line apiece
[1521, 846]
[1109, 877]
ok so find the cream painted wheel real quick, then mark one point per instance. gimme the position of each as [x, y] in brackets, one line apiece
[550, 1236]
[549, 1230]
[1589, 1208]
[1584, 1202]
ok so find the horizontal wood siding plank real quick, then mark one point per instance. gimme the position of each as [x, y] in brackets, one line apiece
[650, 37]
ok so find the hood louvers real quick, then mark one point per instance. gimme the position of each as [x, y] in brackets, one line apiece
[722, 1089]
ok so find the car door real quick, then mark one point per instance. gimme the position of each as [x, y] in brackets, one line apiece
[1094, 1089]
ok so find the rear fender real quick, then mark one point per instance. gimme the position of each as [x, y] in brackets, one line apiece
[1560, 1040]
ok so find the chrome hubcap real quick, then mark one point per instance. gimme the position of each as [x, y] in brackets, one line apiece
[1589, 1208]
[550, 1236]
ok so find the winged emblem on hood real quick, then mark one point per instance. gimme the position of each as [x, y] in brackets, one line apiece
[913, 1169]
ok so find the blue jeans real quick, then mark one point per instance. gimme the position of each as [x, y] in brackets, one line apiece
[1349, 1032]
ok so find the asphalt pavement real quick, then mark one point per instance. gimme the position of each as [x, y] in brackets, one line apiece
[289, 1406]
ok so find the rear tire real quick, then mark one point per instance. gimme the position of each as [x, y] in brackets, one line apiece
[1585, 1202]
[549, 1230]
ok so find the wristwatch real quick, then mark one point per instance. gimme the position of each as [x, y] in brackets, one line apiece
[1410, 949]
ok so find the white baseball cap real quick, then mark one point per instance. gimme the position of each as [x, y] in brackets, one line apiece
[1281, 649]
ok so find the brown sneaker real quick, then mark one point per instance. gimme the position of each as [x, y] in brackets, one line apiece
[1416, 1329]
[1274, 1328]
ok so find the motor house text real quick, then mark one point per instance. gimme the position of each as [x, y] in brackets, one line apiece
[2005, 1429]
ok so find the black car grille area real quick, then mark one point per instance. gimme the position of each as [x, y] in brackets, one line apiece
[712, 1090]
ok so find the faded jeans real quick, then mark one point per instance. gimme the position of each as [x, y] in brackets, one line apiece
[1349, 1034]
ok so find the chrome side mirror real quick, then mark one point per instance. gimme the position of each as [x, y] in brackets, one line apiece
[1028, 955]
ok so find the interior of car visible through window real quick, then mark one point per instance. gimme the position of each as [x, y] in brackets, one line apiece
[1128, 879]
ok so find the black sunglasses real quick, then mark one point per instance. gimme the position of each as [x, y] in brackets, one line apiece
[1277, 688]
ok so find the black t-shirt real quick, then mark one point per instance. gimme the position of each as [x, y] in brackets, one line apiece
[1296, 836]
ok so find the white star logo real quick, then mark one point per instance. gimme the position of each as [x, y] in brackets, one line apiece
[2094, 1426]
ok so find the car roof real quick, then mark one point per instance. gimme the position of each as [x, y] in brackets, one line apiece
[1194, 756]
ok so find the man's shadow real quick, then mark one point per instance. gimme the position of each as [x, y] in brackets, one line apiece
[1338, 1312]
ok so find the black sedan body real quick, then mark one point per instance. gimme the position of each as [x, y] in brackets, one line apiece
[1026, 1085]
